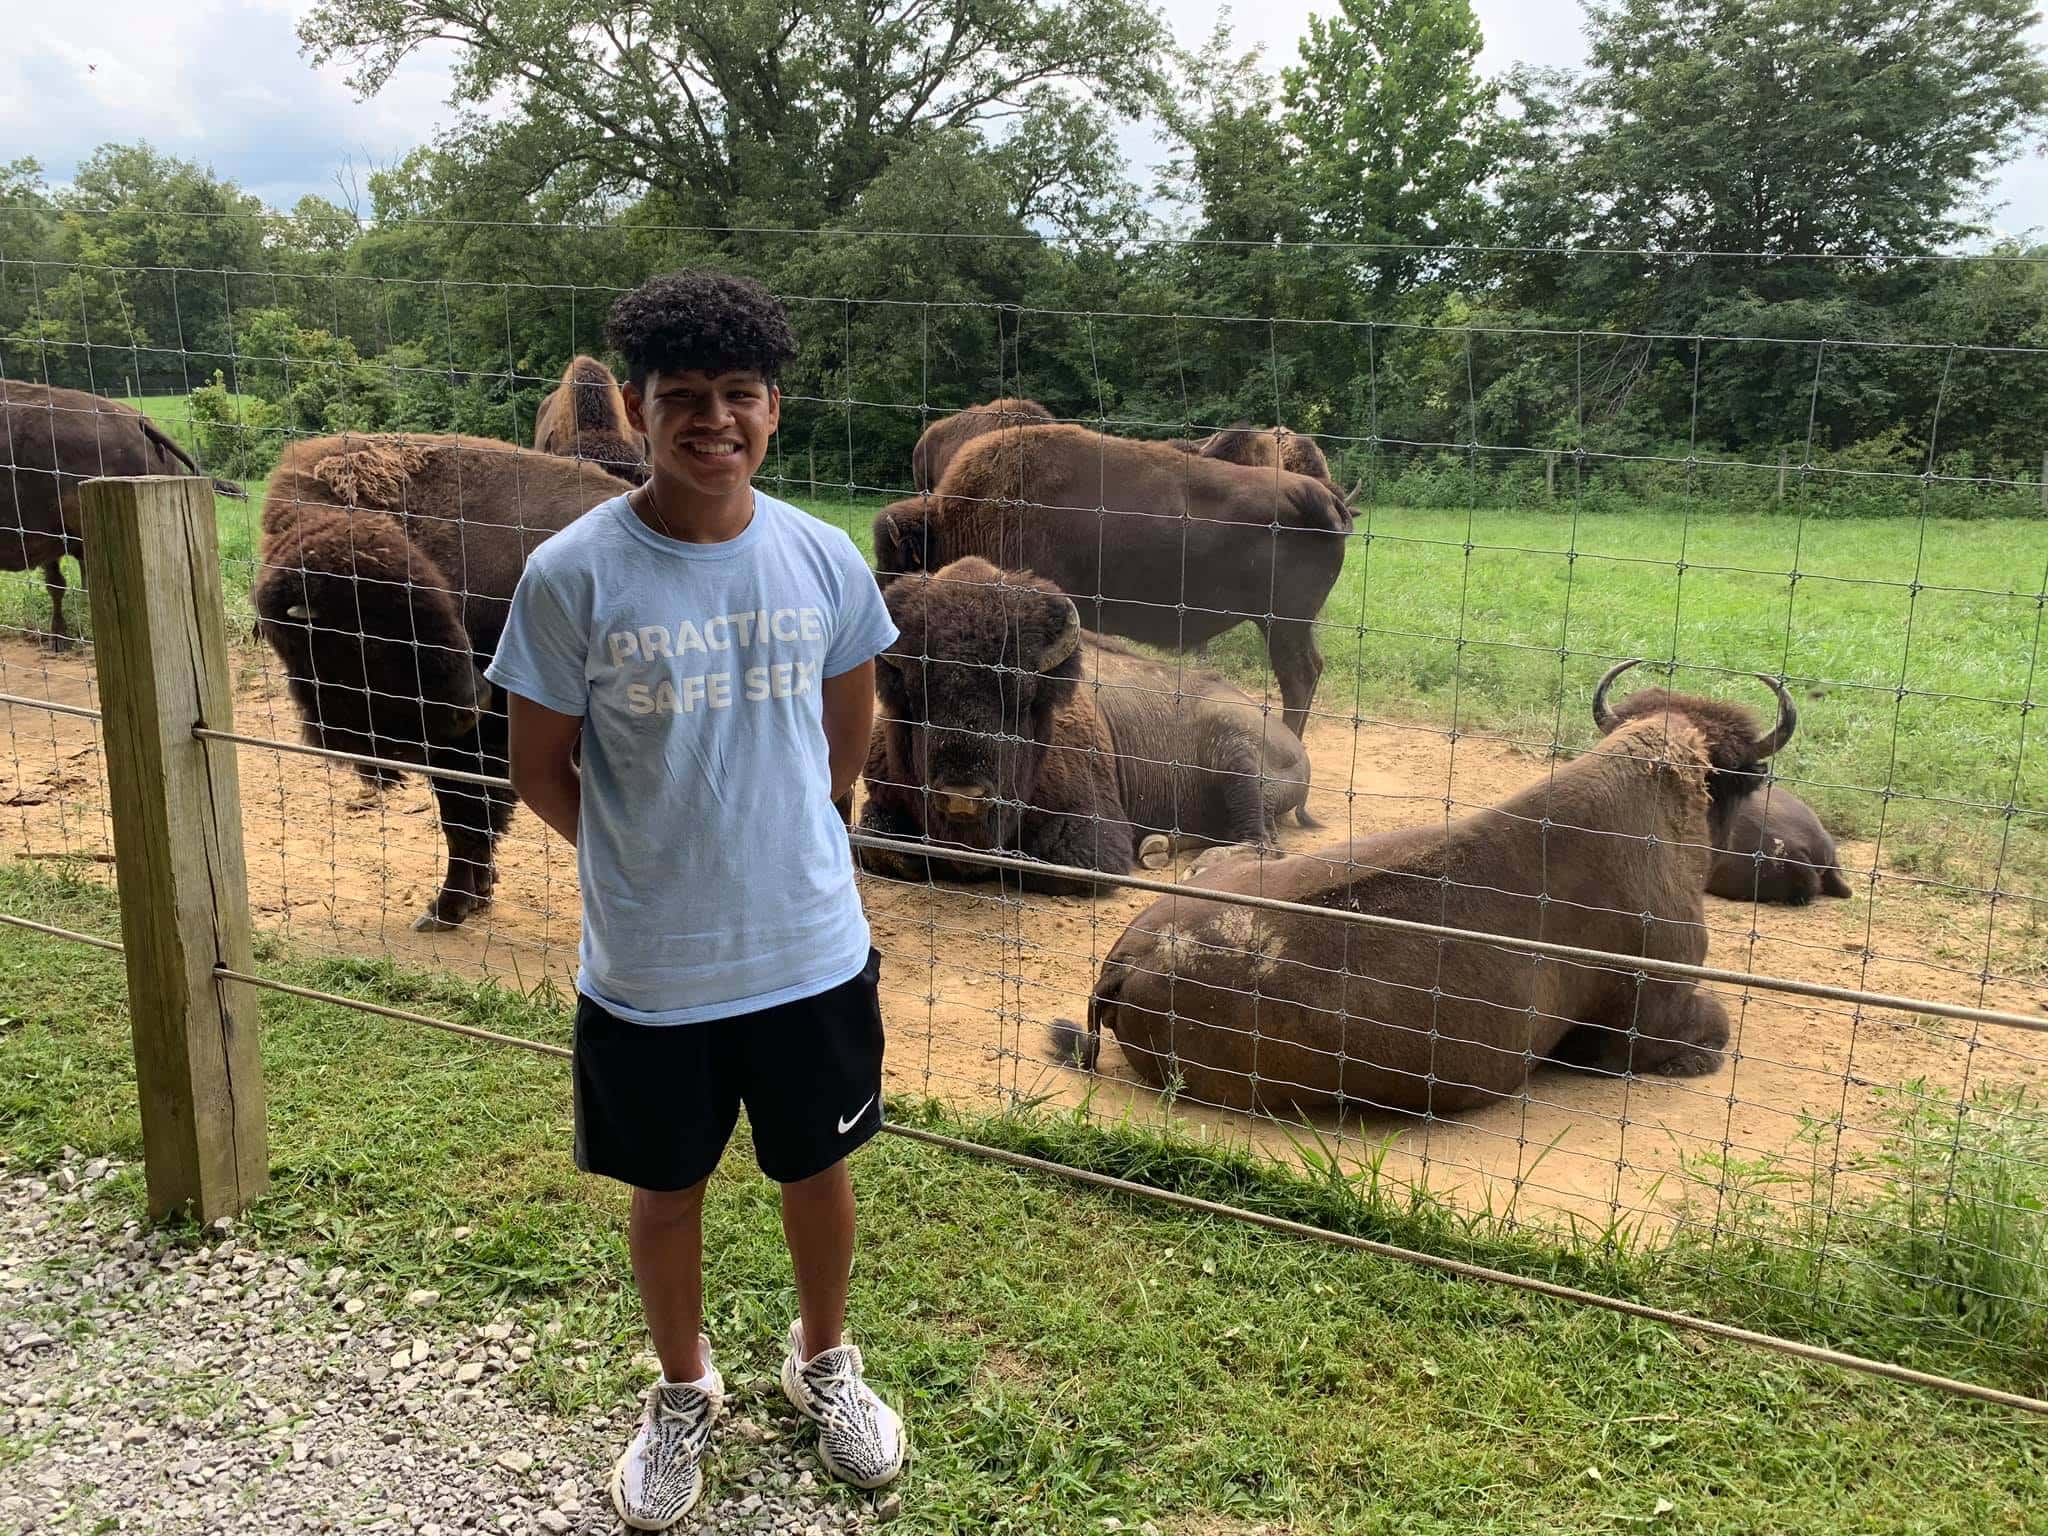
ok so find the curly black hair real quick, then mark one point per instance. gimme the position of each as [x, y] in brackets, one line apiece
[708, 320]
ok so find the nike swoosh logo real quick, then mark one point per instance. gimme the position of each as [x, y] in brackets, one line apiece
[854, 1119]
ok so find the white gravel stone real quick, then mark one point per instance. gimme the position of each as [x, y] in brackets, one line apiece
[113, 1373]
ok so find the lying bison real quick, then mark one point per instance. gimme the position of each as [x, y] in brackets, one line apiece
[1262, 1010]
[949, 434]
[51, 442]
[387, 567]
[1773, 848]
[1168, 548]
[1005, 726]
[584, 417]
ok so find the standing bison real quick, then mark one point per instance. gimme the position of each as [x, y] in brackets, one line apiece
[1168, 548]
[947, 436]
[1773, 848]
[51, 442]
[1005, 726]
[387, 568]
[584, 417]
[1259, 1010]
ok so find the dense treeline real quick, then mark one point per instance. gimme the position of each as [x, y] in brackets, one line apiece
[1754, 195]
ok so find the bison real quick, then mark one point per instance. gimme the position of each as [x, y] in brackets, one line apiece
[1163, 547]
[387, 568]
[1259, 1010]
[947, 436]
[1006, 726]
[54, 440]
[584, 417]
[1260, 447]
[1773, 848]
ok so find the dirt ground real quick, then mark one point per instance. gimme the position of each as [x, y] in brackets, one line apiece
[972, 976]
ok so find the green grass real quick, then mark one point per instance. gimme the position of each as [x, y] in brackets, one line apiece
[1457, 618]
[1062, 1356]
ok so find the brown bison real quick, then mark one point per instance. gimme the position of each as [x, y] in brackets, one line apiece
[1773, 848]
[1167, 548]
[1260, 1010]
[53, 441]
[1005, 726]
[387, 568]
[584, 417]
[945, 437]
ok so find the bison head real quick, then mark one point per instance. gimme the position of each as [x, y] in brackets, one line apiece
[377, 666]
[901, 539]
[983, 660]
[1736, 749]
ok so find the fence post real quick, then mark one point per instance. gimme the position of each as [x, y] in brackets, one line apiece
[152, 557]
[1783, 455]
[1550, 474]
[2044, 483]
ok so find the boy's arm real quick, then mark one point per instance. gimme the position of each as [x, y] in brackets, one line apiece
[544, 775]
[849, 707]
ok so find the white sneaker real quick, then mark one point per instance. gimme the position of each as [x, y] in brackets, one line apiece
[657, 1481]
[860, 1437]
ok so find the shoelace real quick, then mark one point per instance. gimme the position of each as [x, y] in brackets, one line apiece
[694, 1416]
[840, 1387]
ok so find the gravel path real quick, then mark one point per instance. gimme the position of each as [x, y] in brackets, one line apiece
[155, 1388]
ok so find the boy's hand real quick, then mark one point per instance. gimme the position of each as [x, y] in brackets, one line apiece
[849, 709]
[543, 746]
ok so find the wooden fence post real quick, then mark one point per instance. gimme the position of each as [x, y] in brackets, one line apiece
[1550, 475]
[152, 558]
[1783, 455]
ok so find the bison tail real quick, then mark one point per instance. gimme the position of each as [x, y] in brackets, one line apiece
[1832, 883]
[1073, 1046]
[1301, 815]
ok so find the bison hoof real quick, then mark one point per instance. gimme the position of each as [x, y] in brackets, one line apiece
[1155, 852]
[1690, 1061]
[59, 645]
[449, 913]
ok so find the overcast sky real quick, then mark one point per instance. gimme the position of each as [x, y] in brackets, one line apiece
[222, 82]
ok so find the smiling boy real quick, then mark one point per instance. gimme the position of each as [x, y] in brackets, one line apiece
[710, 652]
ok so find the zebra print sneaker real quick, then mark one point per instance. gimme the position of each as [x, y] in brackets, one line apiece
[658, 1479]
[860, 1437]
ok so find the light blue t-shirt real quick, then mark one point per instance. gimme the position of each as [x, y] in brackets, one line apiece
[716, 874]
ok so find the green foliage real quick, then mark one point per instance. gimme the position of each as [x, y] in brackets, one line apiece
[235, 434]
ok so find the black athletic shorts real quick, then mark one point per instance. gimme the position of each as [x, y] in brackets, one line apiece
[656, 1103]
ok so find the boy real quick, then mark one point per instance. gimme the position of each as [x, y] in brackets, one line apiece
[712, 651]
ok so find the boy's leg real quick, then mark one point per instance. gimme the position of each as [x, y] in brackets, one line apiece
[665, 1236]
[818, 1224]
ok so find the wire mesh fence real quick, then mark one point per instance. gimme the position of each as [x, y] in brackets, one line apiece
[1203, 741]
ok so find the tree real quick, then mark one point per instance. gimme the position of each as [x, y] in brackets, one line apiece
[761, 111]
[1394, 127]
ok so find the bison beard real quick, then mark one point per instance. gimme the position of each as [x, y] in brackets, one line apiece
[1268, 1011]
[51, 442]
[1005, 726]
[1168, 548]
[383, 651]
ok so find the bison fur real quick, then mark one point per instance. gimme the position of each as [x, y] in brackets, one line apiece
[1773, 848]
[944, 438]
[1274, 1011]
[584, 417]
[1006, 727]
[1162, 547]
[51, 442]
[386, 572]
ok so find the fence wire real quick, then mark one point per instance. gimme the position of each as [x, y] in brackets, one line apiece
[1393, 705]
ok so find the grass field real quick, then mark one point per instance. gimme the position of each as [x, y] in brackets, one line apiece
[1911, 646]
[1062, 1357]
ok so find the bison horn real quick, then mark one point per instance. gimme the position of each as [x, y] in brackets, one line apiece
[300, 612]
[1602, 715]
[1066, 642]
[1788, 717]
